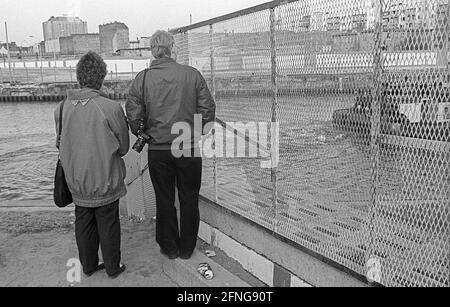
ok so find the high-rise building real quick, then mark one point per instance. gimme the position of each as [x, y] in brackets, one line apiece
[64, 26]
[113, 37]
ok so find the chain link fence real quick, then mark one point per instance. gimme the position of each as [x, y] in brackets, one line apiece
[361, 94]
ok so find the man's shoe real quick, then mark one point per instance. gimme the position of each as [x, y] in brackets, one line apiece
[186, 256]
[100, 267]
[121, 270]
[170, 256]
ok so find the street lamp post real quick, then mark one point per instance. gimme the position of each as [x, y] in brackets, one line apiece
[1, 71]
[9, 54]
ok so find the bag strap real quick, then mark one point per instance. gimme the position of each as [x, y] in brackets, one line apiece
[60, 118]
[58, 139]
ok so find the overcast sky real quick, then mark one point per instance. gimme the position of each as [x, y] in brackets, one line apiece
[143, 17]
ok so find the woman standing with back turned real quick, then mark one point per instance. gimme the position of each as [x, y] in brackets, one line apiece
[93, 141]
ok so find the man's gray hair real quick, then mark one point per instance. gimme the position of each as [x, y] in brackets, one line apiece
[162, 44]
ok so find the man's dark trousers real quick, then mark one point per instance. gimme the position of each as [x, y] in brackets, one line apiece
[185, 173]
[96, 227]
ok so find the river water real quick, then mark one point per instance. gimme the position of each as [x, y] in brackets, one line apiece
[27, 144]
[27, 151]
[315, 158]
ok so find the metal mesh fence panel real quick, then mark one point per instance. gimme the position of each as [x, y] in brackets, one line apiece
[324, 58]
[410, 217]
[242, 67]
[195, 48]
[360, 92]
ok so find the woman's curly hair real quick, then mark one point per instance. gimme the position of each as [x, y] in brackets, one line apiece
[91, 71]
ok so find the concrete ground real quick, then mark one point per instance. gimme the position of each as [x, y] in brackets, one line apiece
[37, 243]
[36, 247]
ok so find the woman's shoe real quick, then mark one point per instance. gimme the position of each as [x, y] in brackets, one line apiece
[121, 270]
[100, 267]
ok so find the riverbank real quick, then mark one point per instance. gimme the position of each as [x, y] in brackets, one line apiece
[59, 88]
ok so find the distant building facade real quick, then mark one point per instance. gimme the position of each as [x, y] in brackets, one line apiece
[424, 15]
[57, 27]
[78, 44]
[318, 21]
[136, 53]
[134, 44]
[52, 46]
[113, 37]
[359, 22]
[305, 23]
[14, 49]
[145, 42]
[334, 24]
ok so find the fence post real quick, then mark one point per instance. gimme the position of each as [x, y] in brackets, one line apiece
[377, 94]
[117, 77]
[213, 93]
[273, 125]
[132, 71]
[70, 71]
[1, 76]
[447, 46]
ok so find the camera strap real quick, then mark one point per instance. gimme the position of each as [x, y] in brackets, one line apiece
[143, 85]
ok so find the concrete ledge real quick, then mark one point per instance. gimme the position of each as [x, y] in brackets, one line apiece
[184, 273]
[266, 256]
[265, 270]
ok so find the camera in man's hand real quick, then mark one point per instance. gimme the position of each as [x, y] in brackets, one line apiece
[142, 140]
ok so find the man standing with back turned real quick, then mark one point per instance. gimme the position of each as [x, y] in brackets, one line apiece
[164, 95]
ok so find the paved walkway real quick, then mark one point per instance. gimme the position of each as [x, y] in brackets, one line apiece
[36, 246]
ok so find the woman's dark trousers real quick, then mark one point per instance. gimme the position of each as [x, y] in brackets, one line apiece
[185, 173]
[96, 227]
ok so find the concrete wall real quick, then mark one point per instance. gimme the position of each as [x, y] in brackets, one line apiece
[85, 43]
[66, 45]
[79, 44]
[52, 46]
